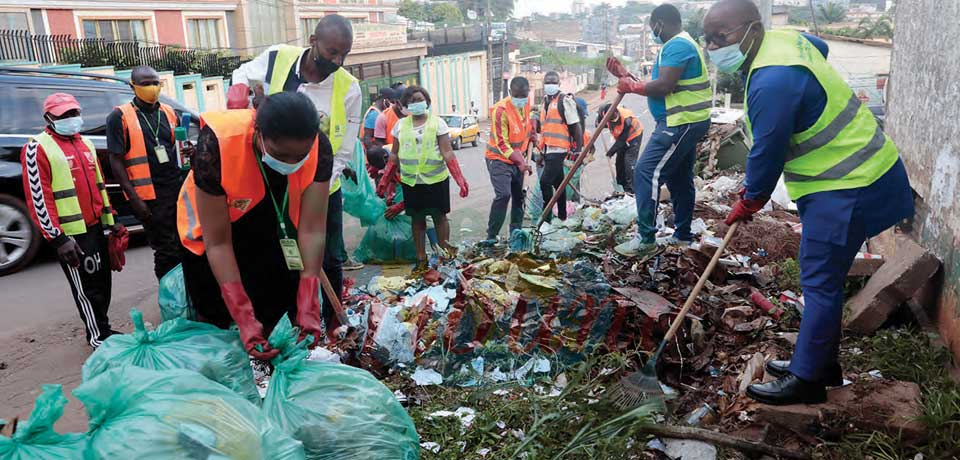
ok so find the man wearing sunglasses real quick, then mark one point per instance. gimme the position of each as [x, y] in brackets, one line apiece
[838, 165]
[679, 97]
[143, 157]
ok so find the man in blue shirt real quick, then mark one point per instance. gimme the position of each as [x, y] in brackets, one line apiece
[385, 97]
[837, 214]
[670, 154]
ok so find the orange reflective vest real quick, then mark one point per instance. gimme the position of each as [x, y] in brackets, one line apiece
[636, 128]
[518, 129]
[554, 131]
[240, 176]
[363, 129]
[135, 161]
[392, 119]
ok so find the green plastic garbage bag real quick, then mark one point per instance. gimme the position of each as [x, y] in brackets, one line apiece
[143, 414]
[387, 241]
[338, 412]
[179, 344]
[360, 200]
[173, 299]
[35, 438]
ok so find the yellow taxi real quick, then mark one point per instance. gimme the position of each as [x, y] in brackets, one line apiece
[463, 129]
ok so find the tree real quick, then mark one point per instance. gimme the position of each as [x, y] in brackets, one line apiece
[445, 14]
[879, 28]
[693, 23]
[832, 12]
[501, 10]
[413, 11]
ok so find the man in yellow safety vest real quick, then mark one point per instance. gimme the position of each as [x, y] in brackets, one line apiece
[68, 202]
[679, 97]
[838, 165]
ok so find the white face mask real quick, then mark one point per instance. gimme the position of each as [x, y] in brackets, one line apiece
[551, 89]
[280, 166]
[68, 126]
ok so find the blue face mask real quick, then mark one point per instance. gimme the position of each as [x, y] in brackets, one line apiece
[279, 166]
[729, 58]
[417, 108]
[551, 89]
[519, 102]
[655, 36]
[68, 126]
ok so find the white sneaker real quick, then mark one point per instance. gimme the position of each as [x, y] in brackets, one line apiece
[673, 241]
[635, 247]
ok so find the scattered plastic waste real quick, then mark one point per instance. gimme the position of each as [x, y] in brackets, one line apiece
[465, 414]
[622, 211]
[426, 377]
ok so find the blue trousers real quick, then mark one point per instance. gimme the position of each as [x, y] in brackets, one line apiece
[823, 270]
[667, 159]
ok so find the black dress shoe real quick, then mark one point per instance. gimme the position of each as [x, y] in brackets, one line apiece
[789, 389]
[832, 375]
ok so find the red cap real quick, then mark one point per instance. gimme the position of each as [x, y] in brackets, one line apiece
[58, 104]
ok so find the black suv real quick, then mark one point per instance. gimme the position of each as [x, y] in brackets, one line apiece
[22, 92]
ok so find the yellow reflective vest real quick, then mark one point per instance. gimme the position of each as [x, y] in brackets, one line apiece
[691, 99]
[420, 163]
[845, 148]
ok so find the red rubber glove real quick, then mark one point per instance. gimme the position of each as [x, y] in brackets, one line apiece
[394, 211]
[518, 161]
[238, 96]
[616, 68]
[454, 168]
[745, 208]
[308, 309]
[387, 181]
[251, 331]
[630, 85]
[117, 243]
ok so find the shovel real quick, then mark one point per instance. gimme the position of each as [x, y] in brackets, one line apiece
[643, 384]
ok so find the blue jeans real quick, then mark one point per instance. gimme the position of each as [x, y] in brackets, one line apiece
[668, 159]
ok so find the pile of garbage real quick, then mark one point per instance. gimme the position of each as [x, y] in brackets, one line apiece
[187, 390]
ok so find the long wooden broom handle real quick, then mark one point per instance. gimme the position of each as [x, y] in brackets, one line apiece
[699, 286]
[548, 208]
[333, 297]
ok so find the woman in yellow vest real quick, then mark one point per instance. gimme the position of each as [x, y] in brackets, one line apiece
[252, 216]
[424, 157]
[838, 165]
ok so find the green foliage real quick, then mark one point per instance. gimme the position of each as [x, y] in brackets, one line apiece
[693, 22]
[868, 28]
[789, 275]
[500, 9]
[561, 59]
[441, 14]
[832, 12]
[412, 10]
[926, 365]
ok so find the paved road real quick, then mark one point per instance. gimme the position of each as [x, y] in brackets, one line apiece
[41, 334]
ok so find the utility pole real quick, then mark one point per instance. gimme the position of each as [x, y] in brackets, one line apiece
[490, 76]
[813, 15]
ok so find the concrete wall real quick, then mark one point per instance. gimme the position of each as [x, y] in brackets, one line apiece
[923, 117]
[456, 79]
[170, 28]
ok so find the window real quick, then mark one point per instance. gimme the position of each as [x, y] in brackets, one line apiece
[308, 25]
[14, 21]
[26, 108]
[115, 29]
[452, 121]
[203, 33]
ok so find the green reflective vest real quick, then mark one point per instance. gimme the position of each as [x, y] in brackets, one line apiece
[692, 98]
[845, 148]
[284, 60]
[64, 191]
[420, 163]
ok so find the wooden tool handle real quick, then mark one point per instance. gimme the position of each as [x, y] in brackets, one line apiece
[334, 298]
[699, 286]
[548, 207]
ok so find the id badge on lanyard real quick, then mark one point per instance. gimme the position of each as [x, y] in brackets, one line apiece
[288, 246]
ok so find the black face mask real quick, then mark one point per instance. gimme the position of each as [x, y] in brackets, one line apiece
[324, 65]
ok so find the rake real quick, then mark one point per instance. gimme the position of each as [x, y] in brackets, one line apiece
[641, 385]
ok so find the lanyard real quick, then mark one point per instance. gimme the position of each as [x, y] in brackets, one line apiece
[156, 131]
[280, 210]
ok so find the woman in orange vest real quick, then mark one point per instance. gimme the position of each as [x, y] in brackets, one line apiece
[627, 134]
[252, 217]
[509, 137]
